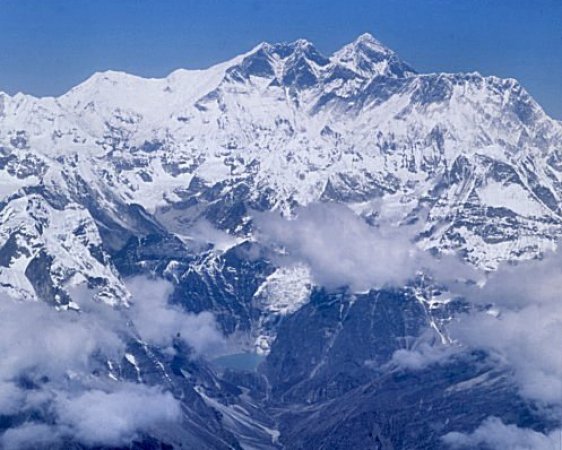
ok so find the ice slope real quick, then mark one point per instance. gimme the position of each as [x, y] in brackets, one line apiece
[113, 178]
[282, 126]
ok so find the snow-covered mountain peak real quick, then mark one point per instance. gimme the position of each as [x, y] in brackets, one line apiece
[293, 64]
[282, 126]
[368, 40]
[179, 177]
[369, 58]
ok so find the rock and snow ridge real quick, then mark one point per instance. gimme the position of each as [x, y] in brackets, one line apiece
[275, 128]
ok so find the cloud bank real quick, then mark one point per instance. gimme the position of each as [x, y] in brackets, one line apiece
[158, 322]
[95, 417]
[341, 248]
[494, 434]
[525, 336]
[537, 281]
[119, 413]
[525, 333]
[54, 379]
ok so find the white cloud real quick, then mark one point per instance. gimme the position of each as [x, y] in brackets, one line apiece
[342, 249]
[28, 436]
[35, 339]
[528, 340]
[158, 322]
[96, 417]
[11, 398]
[526, 332]
[525, 283]
[57, 351]
[495, 435]
[204, 233]
[422, 356]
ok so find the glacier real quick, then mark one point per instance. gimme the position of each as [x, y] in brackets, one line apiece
[124, 176]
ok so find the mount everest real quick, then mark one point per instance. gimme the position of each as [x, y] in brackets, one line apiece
[171, 178]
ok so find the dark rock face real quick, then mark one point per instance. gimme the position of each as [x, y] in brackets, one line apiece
[38, 272]
[227, 289]
[402, 410]
[332, 344]
[331, 385]
[330, 380]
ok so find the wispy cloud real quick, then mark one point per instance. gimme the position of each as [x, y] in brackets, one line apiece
[494, 434]
[537, 281]
[39, 341]
[422, 355]
[159, 322]
[527, 340]
[97, 417]
[525, 332]
[56, 353]
[341, 248]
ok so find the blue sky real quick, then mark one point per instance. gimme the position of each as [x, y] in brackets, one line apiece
[47, 46]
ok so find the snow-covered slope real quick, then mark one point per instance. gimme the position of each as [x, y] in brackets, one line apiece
[124, 176]
[275, 128]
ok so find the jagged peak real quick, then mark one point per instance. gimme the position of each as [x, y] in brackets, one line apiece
[284, 61]
[262, 46]
[367, 39]
[302, 44]
[369, 57]
[285, 49]
[363, 44]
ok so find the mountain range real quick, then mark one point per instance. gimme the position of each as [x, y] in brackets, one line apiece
[125, 177]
